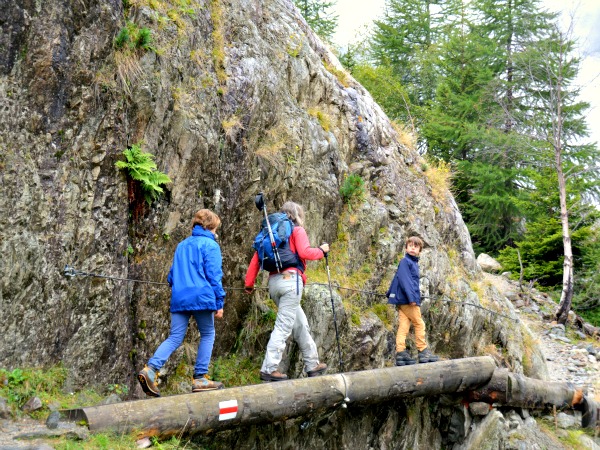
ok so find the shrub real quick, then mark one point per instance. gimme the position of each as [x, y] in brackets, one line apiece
[143, 39]
[353, 188]
[19, 385]
[122, 38]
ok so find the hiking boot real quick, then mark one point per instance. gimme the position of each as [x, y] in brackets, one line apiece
[403, 358]
[148, 378]
[426, 356]
[318, 370]
[203, 383]
[273, 376]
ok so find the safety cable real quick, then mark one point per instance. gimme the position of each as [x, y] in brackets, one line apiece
[71, 272]
[447, 300]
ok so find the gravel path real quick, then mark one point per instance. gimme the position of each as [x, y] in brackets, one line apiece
[568, 360]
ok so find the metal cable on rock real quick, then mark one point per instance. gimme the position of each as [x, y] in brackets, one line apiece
[71, 272]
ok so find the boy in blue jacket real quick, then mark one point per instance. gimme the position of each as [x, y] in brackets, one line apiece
[196, 290]
[405, 294]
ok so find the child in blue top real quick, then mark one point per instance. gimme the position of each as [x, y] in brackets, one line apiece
[405, 294]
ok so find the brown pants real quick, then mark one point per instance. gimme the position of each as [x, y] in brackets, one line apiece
[408, 314]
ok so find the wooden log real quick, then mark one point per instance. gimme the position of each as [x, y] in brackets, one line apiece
[270, 402]
[586, 327]
[511, 389]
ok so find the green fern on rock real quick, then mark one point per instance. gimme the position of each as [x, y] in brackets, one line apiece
[140, 166]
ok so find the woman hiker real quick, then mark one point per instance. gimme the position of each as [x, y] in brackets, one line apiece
[285, 288]
[196, 291]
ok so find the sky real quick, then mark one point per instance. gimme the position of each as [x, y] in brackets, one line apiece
[354, 16]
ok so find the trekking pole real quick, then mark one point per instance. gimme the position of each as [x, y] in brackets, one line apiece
[337, 336]
[259, 201]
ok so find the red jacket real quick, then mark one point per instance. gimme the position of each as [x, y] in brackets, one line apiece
[299, 244]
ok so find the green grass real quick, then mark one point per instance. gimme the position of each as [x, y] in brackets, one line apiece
[20, 384]
[236, 370]
[97, 441]
[385, 313]
[17, 386]
[571, 439]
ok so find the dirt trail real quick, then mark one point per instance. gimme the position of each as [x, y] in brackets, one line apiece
[570, 357]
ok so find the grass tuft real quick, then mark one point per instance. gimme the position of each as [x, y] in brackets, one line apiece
[439, 173]
[322, 118]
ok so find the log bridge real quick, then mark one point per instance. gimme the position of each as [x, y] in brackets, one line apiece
[475, 379]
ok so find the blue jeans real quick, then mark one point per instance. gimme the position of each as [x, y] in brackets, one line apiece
[179, 323]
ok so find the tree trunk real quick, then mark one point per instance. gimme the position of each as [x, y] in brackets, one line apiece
[566, 295]
[511, 389]
[270, 402]
[477, 378]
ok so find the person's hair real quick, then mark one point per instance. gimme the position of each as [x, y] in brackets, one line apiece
[295, 212]
[415, 240]
[206, 219]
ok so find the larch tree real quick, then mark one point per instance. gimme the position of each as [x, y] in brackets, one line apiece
[555, 120]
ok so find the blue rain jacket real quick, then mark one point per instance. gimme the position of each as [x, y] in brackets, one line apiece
[405, 285]
[196, 274]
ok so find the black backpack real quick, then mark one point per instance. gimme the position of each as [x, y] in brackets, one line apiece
[282, 228]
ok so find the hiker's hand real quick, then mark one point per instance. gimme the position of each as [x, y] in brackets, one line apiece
[219, 314]
[413, 303]
[249, 289]
[325, 247]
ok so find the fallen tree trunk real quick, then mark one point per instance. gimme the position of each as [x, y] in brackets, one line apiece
[477, 378]
[270, 402]
[511, 389]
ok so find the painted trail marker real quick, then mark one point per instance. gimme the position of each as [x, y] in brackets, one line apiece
[228, 409]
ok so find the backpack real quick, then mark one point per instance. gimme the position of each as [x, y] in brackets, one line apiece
[282, 228]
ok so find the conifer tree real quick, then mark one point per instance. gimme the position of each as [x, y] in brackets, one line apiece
[555, 120]
[507, 27]
[319, 16]
[405, 40]
[458, 128]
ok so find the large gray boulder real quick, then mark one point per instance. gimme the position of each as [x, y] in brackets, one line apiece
[488, 264]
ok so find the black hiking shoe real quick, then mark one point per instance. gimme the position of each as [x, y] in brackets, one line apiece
[318, 370]
[426, 356]
[273, 376]
[403, 358]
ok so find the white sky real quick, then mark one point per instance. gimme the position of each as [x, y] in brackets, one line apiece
[355, 15]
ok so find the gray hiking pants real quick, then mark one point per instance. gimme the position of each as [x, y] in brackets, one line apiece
[286, 291]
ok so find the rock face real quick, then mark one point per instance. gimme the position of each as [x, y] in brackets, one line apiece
[236, 97]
